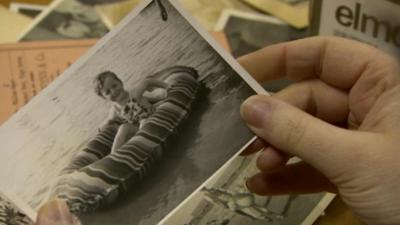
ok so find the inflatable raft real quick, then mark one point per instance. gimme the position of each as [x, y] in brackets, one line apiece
[96, 177]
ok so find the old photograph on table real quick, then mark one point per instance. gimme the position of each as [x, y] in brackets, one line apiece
[248, 32]
[65, 19]
[31, 10]
[225, 200]
[135, 125]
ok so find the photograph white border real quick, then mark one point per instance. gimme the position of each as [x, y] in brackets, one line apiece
[45, 12]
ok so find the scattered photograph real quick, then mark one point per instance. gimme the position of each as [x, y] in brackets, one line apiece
[132, 128]
[10, 214]
[294, 12]
[225, 200]
[66, 19]
[249, 32]
[31, 10]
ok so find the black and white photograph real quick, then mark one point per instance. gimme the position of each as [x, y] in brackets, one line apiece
[66, 19]
[249, 32]
[135, 126]
[224, 199]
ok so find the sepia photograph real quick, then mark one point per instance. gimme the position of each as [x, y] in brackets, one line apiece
[65, 19]
[137, 124]
[248, 32]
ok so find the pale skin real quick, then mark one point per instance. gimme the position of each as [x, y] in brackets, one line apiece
[113, 90]
[55, 213]
[342, 118]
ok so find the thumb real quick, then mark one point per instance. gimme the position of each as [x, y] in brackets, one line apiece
[55, 212]
[324, 146]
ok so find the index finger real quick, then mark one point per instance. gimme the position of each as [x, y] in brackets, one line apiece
[336, 61]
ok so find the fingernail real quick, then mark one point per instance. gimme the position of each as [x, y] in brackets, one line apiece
[254, 111]
[55, 212]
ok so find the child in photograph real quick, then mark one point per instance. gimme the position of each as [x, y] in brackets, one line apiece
[132, 107]
[141, 121]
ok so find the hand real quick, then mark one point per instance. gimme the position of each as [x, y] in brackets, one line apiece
[342, 118]
[55, 213]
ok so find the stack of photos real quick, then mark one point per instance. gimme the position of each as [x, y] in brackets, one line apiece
[141, 126]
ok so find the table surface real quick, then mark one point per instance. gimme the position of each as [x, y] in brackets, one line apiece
[337, 212]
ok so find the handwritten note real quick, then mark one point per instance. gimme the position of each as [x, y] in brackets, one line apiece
[29, 67]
